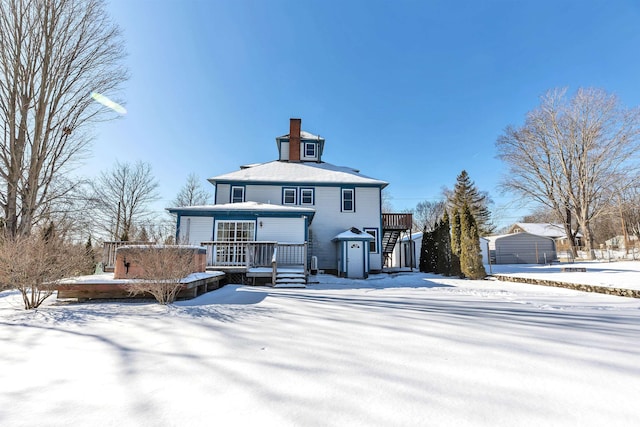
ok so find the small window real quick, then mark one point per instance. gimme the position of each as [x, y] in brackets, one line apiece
[289, 196]
[373, 244]
[310, 150]
[237, 194]
[347, 200]
[306, 196]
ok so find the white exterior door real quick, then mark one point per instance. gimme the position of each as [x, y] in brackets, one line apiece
[355, 260]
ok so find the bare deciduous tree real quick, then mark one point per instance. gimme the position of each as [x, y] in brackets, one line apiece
[192, 193]
[628, 211]
[162, 268]
[122, 197]
[570, 152]
[53, 55]
[387, 205]
[541, 214]
[427, 213]
[32, 265]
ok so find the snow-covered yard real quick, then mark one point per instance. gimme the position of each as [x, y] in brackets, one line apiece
[402, 349]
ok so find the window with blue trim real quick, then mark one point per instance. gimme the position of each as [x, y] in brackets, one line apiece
[289, 196]
[310, 149]
[237, 194]
[348, 203]
[306, 196]
[373, 244]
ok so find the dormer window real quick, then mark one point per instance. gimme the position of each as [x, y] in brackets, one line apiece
[310, 149]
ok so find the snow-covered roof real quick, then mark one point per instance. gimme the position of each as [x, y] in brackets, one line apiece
[415, 236]
[353, 234]
[244, 206]
[542, 229]
[303, 135]
[250, 165]
[500, 236]
[299, 172]
[108, 278]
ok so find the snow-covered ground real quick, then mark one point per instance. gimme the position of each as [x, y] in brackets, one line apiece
[400, 349]
[622, 274]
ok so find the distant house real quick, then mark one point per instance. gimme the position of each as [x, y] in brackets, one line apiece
[551, 230]
[298, 198]
[618, 242]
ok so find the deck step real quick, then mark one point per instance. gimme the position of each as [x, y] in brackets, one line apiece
[290, 285]
[290, 279]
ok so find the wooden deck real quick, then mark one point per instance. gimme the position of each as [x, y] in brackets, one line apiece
[397, 221]
[103, 286]
[257, 262]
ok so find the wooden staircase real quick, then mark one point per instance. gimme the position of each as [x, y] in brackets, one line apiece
[290, 277]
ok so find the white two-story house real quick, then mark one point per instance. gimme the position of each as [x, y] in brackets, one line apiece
[298, 199]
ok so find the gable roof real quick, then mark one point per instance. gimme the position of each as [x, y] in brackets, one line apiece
[492, 239]
[353, 234]
[298, 173]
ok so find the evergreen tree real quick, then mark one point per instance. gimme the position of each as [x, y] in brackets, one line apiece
[455, 231]
[465, 192]
[422, 263]
[444, 246]
[427, 252]
[455, 243]
[470, 254]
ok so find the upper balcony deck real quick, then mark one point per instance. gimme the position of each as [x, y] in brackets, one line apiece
[397, 221]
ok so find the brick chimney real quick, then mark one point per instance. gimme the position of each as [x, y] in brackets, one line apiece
[294, 140]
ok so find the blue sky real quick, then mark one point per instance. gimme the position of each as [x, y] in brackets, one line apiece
[410, 92]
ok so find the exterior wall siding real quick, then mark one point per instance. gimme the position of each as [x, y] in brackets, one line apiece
[223, 194]
[284, 230]
[195, 229]
[271, 194]
[284, 150]
[523, 248]
[329, 220]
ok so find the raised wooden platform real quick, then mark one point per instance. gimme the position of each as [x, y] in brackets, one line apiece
[104, 286]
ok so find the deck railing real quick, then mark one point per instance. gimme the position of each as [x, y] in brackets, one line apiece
[397, 221]
[254, 254]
